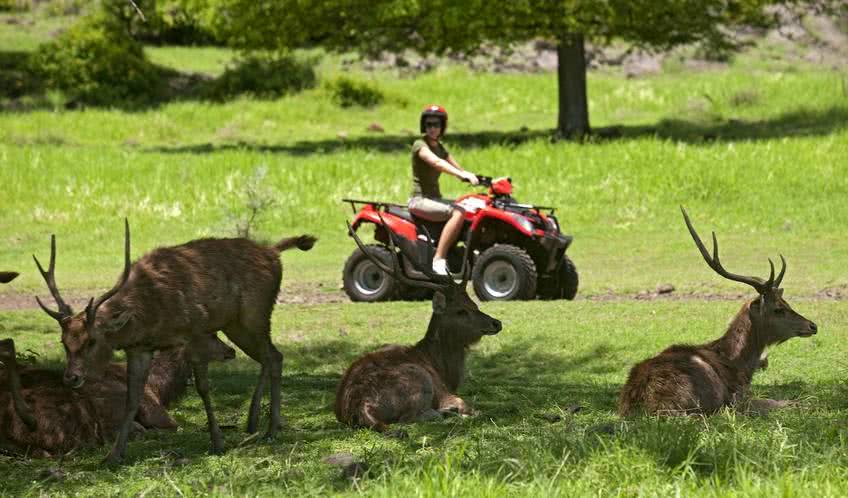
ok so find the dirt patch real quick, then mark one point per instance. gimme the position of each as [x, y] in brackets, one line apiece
[312, 293]
[295, 293]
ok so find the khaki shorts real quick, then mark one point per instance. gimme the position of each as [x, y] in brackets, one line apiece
[431, 209]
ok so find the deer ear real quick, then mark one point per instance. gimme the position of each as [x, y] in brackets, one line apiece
[117, 322]
[439, 303]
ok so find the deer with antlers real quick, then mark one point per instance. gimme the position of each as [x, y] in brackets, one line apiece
[41, 416]
[175, 296]
[415, 383]
[702, 379]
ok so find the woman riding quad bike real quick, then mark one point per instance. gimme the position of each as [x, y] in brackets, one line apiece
[516, 250]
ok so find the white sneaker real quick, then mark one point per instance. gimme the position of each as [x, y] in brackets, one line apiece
[440, 266]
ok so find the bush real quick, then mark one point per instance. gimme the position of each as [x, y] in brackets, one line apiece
[98, 63]
[264, 76]
[348, 92]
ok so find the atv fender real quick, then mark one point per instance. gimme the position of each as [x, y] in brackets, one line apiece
[396, 224]
[511, 219]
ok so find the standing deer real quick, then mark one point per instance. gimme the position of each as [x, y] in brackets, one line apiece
[175, 296]
[41, 416]
[702, 379]
[414, 383]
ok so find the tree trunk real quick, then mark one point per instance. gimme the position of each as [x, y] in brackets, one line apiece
[573, 119]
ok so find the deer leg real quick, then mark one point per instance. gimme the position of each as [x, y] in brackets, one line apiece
[259, 347]
[275, 358]
[138, 366]
[201, 383]
[9, 358]
[452, 404]
[256, 402]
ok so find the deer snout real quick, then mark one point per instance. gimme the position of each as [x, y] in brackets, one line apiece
[812, 328]
[73, 380]
[494, 327]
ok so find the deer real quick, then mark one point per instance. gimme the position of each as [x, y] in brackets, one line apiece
[42, 417]
[415, 383]
[702, 379]
[175, 296]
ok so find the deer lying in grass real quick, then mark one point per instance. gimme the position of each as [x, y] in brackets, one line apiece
[40, 416]
[415, 383]
[702, 379]
[175, 296]
[7, 276]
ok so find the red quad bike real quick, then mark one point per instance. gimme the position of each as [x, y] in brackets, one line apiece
[516, 250]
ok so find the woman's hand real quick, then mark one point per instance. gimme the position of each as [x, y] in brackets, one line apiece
[469, 177]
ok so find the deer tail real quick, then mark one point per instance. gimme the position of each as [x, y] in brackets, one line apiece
[302, 242]
[7, 276]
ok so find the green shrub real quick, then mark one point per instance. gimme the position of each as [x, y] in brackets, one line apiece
[348, 92]
[264, 76]
[96, 62]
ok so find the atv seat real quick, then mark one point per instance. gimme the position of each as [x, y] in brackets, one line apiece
[400, 212]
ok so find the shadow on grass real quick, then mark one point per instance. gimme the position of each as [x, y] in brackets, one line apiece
[511, 440]
[795, 124]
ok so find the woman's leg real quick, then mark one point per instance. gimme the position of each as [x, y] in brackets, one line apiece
[449, 234]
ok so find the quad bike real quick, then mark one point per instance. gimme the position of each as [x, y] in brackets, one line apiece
[514, 251]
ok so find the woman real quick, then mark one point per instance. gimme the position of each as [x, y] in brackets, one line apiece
[429, 160]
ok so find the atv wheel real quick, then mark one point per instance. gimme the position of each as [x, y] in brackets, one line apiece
[563, 285]
[504, 273]
[364, 281]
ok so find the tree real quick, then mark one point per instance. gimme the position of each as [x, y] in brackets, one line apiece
[440, 26]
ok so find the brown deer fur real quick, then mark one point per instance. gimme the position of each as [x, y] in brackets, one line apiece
[49, 418]
[409, 383]
[701, 379]
[176, 296]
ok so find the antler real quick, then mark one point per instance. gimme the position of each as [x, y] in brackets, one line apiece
[713, 261]
[49, 277]
[91, 309]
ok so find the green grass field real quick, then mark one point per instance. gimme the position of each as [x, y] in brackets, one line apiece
[758, 155]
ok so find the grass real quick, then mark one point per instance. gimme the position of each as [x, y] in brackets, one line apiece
[550, 357]
[757, 157]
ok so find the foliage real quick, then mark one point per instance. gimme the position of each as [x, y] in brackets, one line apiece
[264, 76]
[157, 22]
[435, 26]
[96, 62]
[348, 92]
[255, 199]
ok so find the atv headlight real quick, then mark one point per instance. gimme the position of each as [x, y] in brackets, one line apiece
[553, 224]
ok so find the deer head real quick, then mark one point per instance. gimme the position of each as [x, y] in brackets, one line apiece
[769, 312]
[455, 316]
[85, 348]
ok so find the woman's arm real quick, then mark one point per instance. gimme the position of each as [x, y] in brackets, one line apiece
[447, 166]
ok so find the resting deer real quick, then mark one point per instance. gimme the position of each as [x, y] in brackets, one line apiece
[41, 416]
[175, 296]
[414, 383]
[702, 379]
